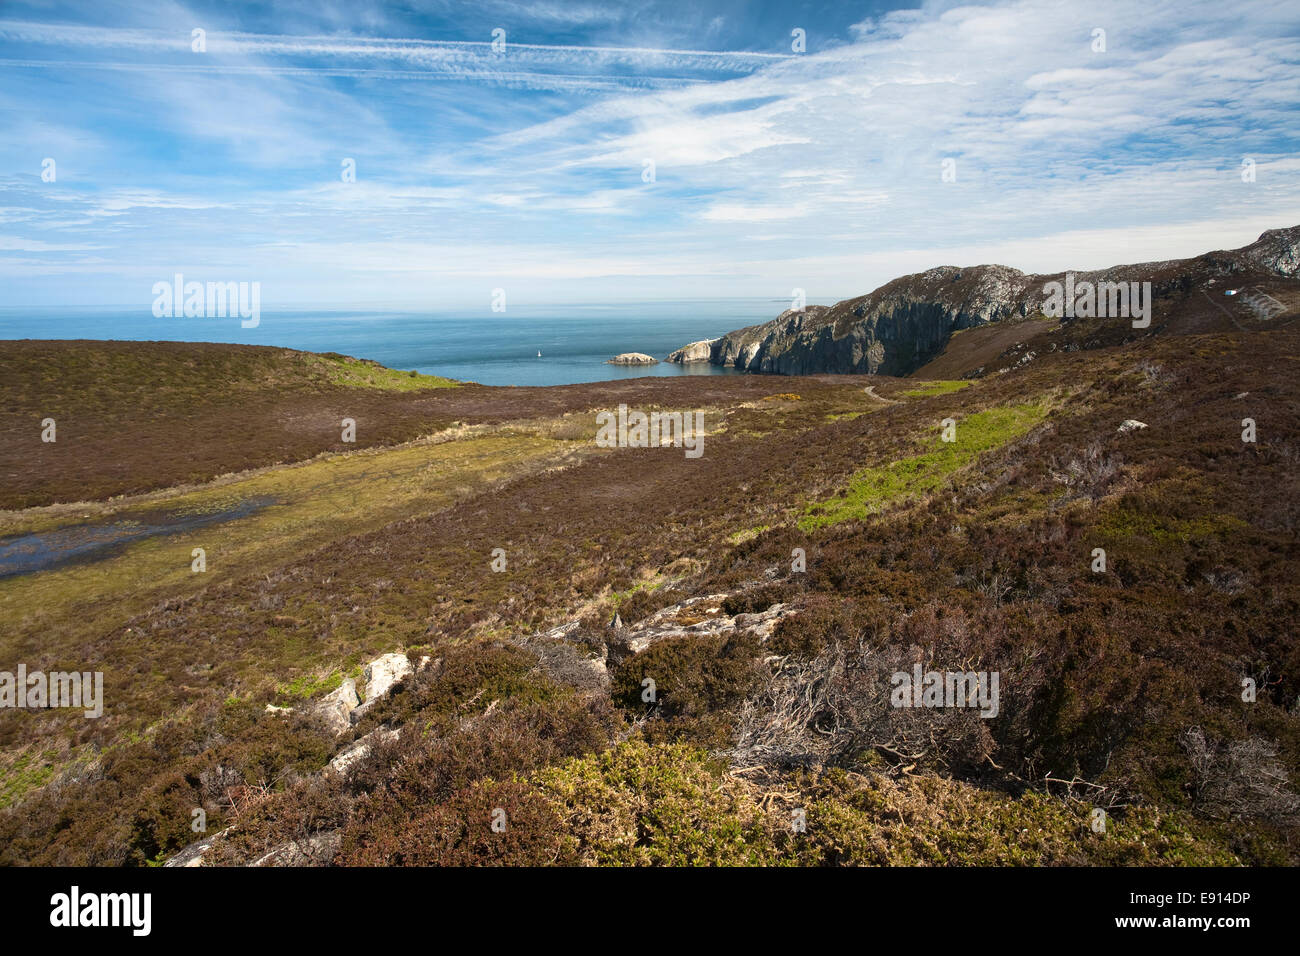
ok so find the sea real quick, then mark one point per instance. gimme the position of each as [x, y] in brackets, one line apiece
[526, 345]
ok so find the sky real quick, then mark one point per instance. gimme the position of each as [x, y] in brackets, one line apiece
[367, 155]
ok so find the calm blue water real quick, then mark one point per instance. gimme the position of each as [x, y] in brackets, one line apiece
[23, 554]
[492, 348]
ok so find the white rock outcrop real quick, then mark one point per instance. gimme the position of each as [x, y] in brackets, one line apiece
[317, 850]
[355, 752]
[693, 353]
[380, 675]
[383, 672]
[336, 707]
[194, 854]
[697, 617]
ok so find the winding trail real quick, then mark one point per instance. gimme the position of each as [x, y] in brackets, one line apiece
[871, 390]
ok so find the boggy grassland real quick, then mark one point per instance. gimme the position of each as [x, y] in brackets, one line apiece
[770, 738]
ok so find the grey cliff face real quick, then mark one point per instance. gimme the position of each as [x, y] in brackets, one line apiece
[907, 322]
[891, 331]
[1277, 250]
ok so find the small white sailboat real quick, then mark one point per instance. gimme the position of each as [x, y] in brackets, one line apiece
[539, 353]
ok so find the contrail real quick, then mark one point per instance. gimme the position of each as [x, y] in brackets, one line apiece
[278, 44]
[558, 81]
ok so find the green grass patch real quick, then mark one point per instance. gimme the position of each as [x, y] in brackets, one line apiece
[871, 489]
[618, 597]
[359, 373]
[1124, 523]
[309, 685]
[747, 534]
[937, 387]
[28, 772]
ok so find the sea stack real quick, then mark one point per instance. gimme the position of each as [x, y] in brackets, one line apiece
[633, 358]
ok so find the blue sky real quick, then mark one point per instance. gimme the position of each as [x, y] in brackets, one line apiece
[524, 168]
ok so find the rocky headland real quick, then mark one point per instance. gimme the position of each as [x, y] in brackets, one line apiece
[905, 323]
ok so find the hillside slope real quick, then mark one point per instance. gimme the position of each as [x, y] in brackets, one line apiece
[827, 539]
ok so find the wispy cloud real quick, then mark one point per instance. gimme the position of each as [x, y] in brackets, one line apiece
[598, 156]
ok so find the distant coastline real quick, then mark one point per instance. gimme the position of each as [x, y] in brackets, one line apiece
[575, 342]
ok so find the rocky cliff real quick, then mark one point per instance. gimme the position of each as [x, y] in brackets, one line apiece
[700, 351]
[907, 322]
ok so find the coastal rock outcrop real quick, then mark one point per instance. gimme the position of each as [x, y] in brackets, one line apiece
[892, 331]
[905, 323]
[695, 352]
[633, 358]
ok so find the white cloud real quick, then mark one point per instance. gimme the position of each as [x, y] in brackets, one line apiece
[17, 244]
[1063, 157]
[739, 212]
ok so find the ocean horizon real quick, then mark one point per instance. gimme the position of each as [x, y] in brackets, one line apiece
[575, 341]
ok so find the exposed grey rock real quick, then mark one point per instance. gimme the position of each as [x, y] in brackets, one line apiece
[562, 631]
[1277, 250]
[693, 353]
[354, 752]
[892, 331]
[633, 358]
[697, 617]
[1026, 359]
[380, 676]
[319, 849]
[764, 622]
[194, 854]
[336, 707]
[1130, 425]
[383, 672]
